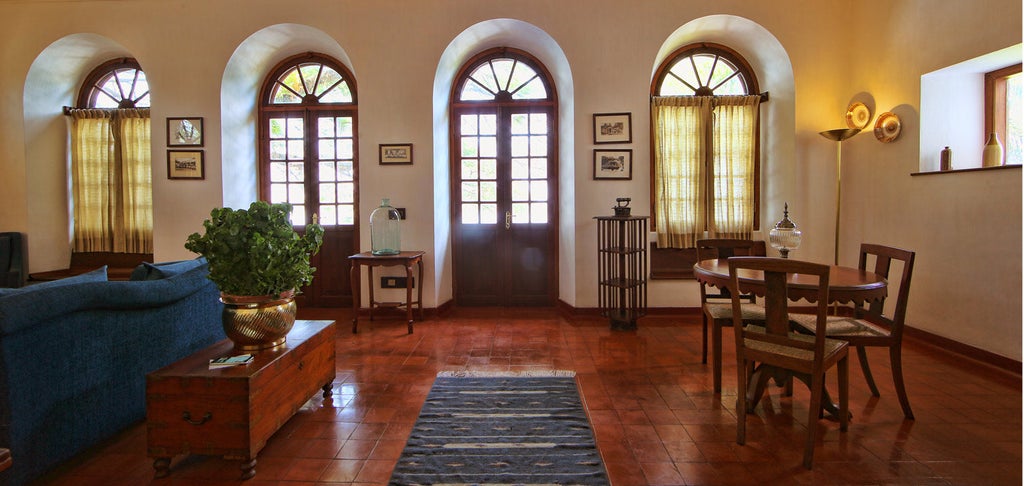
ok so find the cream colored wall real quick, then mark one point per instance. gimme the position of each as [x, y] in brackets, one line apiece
[837, 50]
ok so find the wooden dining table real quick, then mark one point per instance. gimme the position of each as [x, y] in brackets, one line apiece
[845, 285]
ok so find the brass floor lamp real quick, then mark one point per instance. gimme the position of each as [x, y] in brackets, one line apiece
[838, 135]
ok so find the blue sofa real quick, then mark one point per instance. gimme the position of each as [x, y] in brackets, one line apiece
[74, 354]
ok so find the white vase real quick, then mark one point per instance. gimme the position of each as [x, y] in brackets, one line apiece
[992, 155]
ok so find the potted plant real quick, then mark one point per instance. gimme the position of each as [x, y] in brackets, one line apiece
[258, 261]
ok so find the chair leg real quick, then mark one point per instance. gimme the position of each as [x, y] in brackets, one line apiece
[843, 368]
[704, 347]
[741, 402]
[716, 355]
[862, 356]
[896, 362]
[817, 387]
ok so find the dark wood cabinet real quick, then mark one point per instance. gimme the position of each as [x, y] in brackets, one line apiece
[622, 269]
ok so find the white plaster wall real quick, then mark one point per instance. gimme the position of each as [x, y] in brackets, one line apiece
[966, 230]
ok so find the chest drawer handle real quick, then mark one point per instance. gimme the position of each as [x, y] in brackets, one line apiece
[301, 365]
[188, 418]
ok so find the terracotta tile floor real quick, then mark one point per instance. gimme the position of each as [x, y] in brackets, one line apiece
[654, 416]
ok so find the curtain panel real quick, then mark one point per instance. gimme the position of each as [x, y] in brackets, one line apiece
[111, 180]
[704, 153]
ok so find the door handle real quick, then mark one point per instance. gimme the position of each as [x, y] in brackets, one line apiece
[508, 219]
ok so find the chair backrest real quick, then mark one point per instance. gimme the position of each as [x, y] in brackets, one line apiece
[776, 272]
[709, 248]
[884, 255]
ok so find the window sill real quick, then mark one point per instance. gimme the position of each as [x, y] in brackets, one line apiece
[958, 171]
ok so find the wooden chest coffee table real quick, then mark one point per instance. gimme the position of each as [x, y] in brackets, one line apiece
[231, 412]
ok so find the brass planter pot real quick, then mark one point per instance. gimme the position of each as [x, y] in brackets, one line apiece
[258, 322]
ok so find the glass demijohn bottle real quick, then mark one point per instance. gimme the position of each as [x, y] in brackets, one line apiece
[385, 232]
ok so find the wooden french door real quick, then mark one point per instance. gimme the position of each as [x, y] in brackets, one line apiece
[312, 166]
[505, 207]
[309, 158]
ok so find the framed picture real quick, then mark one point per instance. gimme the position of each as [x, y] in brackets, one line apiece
[400, 153]
[613, 128]
[185, 164]
[613, 164]
[185, 132]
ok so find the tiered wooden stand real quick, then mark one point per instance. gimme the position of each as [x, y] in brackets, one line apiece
[622, 269]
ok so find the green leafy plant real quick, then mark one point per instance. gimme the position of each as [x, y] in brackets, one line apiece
[256, 251]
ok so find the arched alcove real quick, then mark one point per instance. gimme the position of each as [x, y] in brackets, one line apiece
[529, 38]
[240, 87]
[774, 72]
[52, 83]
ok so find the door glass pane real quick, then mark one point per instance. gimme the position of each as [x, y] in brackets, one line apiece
[520, 190]
[539, 213]
[335, 191]
[489, 213]
[470, 214]
[520, 213]
[539, 168]
[278, 172]
[520, 168]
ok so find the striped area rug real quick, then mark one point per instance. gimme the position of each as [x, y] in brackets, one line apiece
[489, 430]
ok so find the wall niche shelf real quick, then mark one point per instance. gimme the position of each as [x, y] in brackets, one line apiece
[622, 269]
[960, 171]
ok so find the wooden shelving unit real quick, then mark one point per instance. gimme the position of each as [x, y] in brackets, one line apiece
[622, 269]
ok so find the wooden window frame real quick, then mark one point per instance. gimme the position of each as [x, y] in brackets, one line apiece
[675, 263]
[995, 100]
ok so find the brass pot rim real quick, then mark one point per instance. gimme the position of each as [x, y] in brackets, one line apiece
[268, 299]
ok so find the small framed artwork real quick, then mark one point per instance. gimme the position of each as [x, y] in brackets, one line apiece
[185, 164]
[400, 153]
[185, 132]
[613, 164]
[613, 127]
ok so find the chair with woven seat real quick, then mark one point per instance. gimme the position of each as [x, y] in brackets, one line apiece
[775, 351]
[873, 326]
[716, 307]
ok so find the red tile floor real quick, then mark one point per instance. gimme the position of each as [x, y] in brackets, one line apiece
[649, 399]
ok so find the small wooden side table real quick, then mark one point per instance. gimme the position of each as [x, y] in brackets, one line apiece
[5, 459]
[406, 259]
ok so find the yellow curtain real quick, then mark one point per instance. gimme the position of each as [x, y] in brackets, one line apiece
[735, 146]
[680, 148]
[111, 180]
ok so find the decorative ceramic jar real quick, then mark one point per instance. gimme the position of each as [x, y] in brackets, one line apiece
[784, 236]
[992, 155]
[385, 231]
[946, 159]
[258, 322]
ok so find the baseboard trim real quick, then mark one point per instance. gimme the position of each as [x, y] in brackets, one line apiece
[977, 354]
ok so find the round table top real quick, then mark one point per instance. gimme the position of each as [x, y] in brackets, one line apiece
[845, 284]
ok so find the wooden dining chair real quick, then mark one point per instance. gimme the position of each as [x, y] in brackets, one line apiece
[775, 351]
[716, 305]
[873, 326]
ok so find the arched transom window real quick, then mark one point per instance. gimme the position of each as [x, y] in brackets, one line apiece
[119, 83]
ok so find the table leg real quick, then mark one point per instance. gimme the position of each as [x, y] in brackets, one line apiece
[248, 469]
[408, 294]
[419, 289]
[353, 276]
[369, 281]
[328, 389]
[759, 379]
[162, 465]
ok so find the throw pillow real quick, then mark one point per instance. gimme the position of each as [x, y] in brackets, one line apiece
[159, 271]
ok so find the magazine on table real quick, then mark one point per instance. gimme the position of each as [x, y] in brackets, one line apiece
[228, 361]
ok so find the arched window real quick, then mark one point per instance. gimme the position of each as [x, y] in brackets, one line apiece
[504, 195]
[119, 83]
[705, 132]
[112, 187]
[309, 158]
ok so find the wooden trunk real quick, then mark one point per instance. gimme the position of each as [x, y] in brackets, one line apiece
[231, 412]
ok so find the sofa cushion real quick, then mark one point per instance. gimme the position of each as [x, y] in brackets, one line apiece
[162, 270]
[98, 275]
[51, 300]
